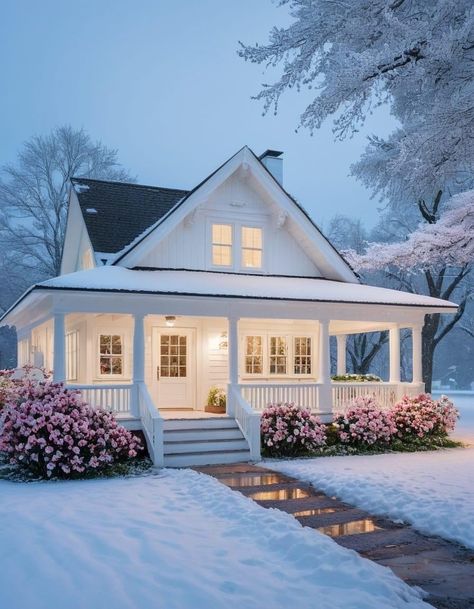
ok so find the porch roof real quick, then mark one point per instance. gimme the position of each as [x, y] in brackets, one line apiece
[233, 285]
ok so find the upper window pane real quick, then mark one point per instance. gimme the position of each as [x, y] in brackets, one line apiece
[222, 234]
[251, 237]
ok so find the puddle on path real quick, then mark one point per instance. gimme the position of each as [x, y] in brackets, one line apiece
[281, 495]
[356, 527]
[314, 512]
[249, 480]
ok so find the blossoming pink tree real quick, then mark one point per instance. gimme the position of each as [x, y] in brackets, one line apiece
[442, 252]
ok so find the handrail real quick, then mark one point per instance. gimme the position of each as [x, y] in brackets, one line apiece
[152, 423]
[247, 419]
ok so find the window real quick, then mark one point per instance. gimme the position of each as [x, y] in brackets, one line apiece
[302, 355]
[254, 355]
[289, 355]
[251, 247]
[71, 355]
[111, 355]
[222, 244]
[278, 355]
[173, 356]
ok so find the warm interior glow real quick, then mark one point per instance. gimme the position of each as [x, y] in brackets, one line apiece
[222, 244]
[251, 247]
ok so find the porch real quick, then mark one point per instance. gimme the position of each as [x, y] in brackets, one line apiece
[152, 369]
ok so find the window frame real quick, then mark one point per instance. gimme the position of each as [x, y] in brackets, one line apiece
[290, 338]
[236, 225]
[242, 248]
[72, 355]
[219, 244]
[122, 355]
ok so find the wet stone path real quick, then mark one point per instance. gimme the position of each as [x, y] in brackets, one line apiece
[443, 569]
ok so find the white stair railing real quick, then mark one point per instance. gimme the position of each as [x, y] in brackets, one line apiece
[113, 398]
[247, 419]
[152, 423]
[260, 395]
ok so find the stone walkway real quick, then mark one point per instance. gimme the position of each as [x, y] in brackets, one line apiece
[443, 569]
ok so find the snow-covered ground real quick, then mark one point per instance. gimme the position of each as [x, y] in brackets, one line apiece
[434, 491]
[178, 540]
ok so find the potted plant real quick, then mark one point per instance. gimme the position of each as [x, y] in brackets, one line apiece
[216, 400]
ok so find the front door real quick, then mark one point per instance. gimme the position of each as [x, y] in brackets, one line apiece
[174, 367]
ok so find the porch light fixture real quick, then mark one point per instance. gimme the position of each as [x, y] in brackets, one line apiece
[170, 319]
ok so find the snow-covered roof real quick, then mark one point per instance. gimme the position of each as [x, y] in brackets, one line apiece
[225, 285]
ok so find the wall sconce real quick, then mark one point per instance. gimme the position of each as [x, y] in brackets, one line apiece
[170, 320]
[223, 342]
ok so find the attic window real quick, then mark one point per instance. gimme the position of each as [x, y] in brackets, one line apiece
[91, 210]
[222, 244]
[251, 247]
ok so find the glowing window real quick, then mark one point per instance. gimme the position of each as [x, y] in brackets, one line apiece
[302, 355]
[278, 355]
[254, 355]
[71, 355]
[251, 247]
[222, 244]
[110, 355]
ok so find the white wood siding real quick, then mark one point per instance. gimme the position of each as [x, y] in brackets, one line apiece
[188, 245]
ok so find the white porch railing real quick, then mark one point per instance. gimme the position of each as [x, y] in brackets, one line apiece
[247, 419]
[305, 395]
[114, 398]
[152, 423]
[385, 394]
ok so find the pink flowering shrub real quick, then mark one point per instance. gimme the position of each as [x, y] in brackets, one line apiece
[52, 432]
[365, 424]
[288, 430]
[7, 384]
[421, 416]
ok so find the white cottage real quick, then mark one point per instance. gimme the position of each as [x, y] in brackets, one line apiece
[166, 293]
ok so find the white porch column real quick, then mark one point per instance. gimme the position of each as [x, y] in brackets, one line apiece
[325, 391]
[416, 339]
[138, 358]
[394, 340]
[59, 348]
[233, 343]
[341, 353]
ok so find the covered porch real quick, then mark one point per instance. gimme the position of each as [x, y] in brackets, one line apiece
[145, 353]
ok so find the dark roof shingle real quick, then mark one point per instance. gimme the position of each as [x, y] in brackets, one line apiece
[122, 210]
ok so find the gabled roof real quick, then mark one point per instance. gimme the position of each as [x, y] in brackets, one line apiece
[115, 213]
[329, 260]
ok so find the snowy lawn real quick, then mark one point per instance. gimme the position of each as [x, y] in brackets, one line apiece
[434, 491]
[179, 540]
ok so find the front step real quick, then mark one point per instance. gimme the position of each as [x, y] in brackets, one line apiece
[203, 442]
[204, 458]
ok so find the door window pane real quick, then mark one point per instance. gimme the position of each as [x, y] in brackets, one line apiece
[173, 362]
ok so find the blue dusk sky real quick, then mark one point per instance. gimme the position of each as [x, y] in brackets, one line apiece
[160, 81]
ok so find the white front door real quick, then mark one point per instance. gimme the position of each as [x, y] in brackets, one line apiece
[174, 364]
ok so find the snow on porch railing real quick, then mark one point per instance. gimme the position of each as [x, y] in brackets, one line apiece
[152, 423]
[247, 419]
[305, 395]
[114, 398]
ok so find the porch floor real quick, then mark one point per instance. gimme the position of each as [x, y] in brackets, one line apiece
[169, 413]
